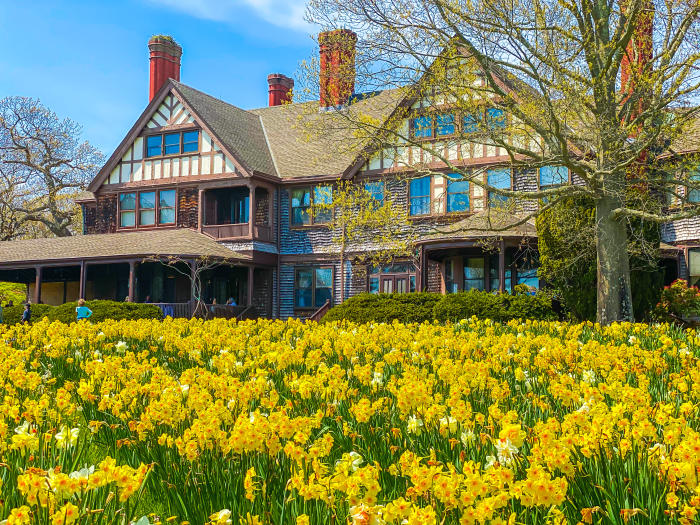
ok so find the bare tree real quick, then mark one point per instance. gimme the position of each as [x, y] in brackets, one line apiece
[43, 166]
[602, 88]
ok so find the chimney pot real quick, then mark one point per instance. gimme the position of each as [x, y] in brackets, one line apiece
[164, 59]
[337, 67]
[280, 89]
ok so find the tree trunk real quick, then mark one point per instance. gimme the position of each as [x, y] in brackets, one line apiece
[614, 290]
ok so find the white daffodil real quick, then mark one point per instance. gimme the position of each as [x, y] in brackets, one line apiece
[506, 451]
[490, 462]
[223, 517]
[121, 347]
[356, 460]
[467, 437]
[83, 473]
[588, 376]
[449, 423]
[67, 437]
[378, 379]
[414, 425]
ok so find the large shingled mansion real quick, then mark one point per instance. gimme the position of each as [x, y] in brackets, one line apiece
[196, 177]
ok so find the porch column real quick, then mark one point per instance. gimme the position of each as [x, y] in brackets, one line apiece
[37, 284]
[132, 279]
[83, 276]
[251, 217]
[200, 210]
[250, 285]
[421, 270]
[502, 267]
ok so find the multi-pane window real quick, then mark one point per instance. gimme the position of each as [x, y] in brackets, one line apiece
[301, 204]
[166, 206]
[474, 276]
[498, 178]
[172, 143]
[392, 278]
[423, 127]
[375, 190]
[419, 196]
[457, 196]
[553, 176]
[190, 141]
[146, 208]
[494, 276]
[302, 199]
[312, 287]
[526, 271]
[445, 124]
[154, 145]
[470, 123]
[495, 118]
[127, 210]
[323, 196]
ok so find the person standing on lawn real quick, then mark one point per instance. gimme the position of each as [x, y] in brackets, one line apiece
[27, 314]
[82, 311]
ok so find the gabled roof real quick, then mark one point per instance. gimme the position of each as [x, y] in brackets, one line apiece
[181, 242]
[306, 142]
[239, 131]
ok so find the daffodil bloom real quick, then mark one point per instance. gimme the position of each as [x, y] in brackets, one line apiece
[67, 437]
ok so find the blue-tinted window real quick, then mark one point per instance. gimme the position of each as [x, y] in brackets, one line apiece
[147, 208]
[376, 190]
[495, 118]
[304, 288]
[323, 195]
[323, 286]
[526, 269]
[470, 123]
[172, 143]
[420, 196]
[166, 205]
[445, 124]
[190, 141]
[457, 195]
[127, 210]
[154, 145]
[498, 178]
[552, 176]
[423, 127]
[494, 277]
[301, 202]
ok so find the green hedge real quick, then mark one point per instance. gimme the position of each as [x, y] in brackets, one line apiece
[385, 308]
[101, 311]
[419, 307]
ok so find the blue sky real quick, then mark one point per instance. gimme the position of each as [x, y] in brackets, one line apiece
[88, 59]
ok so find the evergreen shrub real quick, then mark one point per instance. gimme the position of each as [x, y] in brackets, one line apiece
[101, 311]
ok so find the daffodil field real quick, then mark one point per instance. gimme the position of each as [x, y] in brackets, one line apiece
[218, 422]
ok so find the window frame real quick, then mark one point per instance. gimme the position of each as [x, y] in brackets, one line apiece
[502, 199]
[447, 195]
[410, 196]
[313, 220]
[137, 209]
[555, 185]
[377, 273]
[480, 122]
[180, 144]
[372, 193]
[313, 270]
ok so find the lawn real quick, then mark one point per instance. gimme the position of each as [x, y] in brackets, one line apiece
[292, 423]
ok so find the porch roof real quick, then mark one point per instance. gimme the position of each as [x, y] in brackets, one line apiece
[181, 242]
[483, 224]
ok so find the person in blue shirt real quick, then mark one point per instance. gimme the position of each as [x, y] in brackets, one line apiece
[27, 314]
[82, 311]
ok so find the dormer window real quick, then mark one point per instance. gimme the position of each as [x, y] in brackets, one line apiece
[172, 143]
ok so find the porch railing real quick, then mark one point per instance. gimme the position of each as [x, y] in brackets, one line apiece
[226, 231]
[185, 310]
[318, 314]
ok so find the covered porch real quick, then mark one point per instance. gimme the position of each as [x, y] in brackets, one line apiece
[153, 267]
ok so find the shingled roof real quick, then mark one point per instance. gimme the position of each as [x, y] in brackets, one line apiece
[239, 130]
[181, 242]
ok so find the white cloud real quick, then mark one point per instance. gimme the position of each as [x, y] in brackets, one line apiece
[282, 13]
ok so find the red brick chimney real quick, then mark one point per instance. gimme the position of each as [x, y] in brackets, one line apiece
[165, 62]
[639, 50]
[279, 89]
[337, 75]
